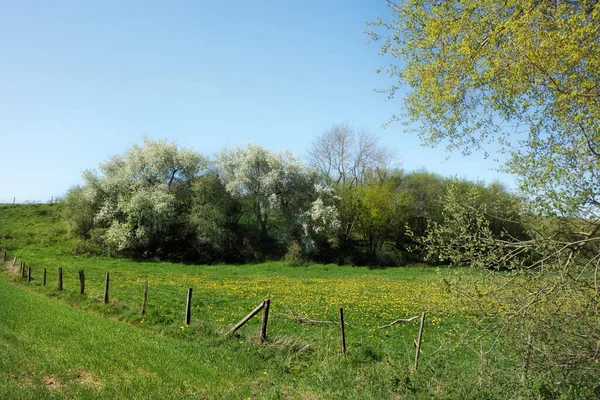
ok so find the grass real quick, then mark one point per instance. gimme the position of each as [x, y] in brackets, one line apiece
[64, 344]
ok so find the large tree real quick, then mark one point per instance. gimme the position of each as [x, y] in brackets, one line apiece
[267, 179]
[138, 201]
[381, 209]
[345, 155]
[346, 158]
[281, 193]
[523, 75]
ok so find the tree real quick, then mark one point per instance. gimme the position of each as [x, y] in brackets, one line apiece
[380, 210]
[266, 178]
[474, 220]
[343, 155]
[81, 208]
[524, 74]
[346, 157]
[140, 198]
[215, 215]
[423, 191]
[281, 191]
[320, 221]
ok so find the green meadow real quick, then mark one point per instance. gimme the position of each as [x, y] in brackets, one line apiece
[64, 344]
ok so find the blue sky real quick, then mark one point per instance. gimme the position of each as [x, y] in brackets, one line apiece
[80, 81]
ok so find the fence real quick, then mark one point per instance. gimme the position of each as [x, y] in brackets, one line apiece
[26, 273]
[14, 201]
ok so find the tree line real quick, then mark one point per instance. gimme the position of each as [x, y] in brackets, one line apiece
[347, 204]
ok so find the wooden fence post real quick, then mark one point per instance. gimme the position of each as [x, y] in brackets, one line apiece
[247, 318]
[14, 262]
[419, 340]
[4, 260]
[106, 278]
[60, 282]
[342, 331]
[265, 320]
[81, 282]
[143, 311]
[188, 307]
[44, 284]
[29, 274]
[21, 269]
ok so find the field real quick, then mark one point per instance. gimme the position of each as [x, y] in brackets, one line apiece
[61, 344]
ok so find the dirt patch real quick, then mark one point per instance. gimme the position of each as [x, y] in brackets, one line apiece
[52, 383]
[87, 378]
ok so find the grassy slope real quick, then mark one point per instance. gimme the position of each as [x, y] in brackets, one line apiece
[44, 338]
[51, 350]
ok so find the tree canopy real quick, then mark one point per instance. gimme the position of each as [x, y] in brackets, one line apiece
[136, 198]
[521, 73]
[160, 200]
[524, 75]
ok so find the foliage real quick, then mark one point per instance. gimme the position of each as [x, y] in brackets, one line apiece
[379, 210]
[471, 226]
[321, 220]
[215, 216]
[266, 178]
[160, 201]
[279, 190]
[550, 298]
[137, 199]
[294, 257]
[81, 209]
[523, 74]
[422, 192]
[349, 160]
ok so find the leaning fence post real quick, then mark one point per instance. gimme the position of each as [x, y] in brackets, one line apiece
[247, 318]
[188, 307]
[44, 283]
[342, 331]
[265, 320]
[106, 288]
[60, 282]
[14, 262]
[143, 311]
[419, 340]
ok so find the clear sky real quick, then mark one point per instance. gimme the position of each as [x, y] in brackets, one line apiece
[82, 80]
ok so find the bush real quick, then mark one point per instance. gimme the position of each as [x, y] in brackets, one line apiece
[294, 256]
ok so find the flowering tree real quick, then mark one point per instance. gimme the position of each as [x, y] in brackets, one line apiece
[277, 185]
[138, 196]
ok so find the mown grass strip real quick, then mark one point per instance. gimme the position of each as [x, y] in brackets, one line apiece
[51, 350]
